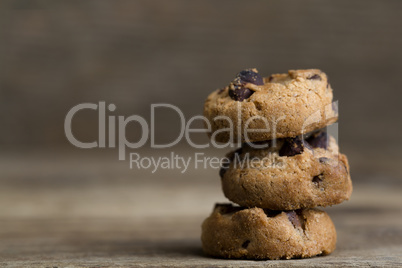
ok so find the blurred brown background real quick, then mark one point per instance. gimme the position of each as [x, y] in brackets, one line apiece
[57, 54]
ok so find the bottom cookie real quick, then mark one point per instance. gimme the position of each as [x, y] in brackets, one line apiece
[255, 233]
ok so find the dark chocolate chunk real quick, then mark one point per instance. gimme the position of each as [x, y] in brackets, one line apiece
[250, 76]
[295, 218]
[292, 147]
[318, 140]
[318, 179]
[270, 78]
[240, 93]
[314, 77]
[306, 145]
[245, 244]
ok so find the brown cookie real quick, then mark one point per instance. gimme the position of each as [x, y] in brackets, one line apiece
[283, 105]
[292, 174]
[252, 233]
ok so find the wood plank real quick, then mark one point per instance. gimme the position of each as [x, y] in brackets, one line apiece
[131, 218]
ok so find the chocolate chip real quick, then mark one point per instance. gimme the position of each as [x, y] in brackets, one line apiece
[295, 218]
[323, 159]
[250, 76]
[245, 244]
[292, 147]
[318, 179]
[270, 78]
[240, 93]
[306, 145]
[314, 77]
[238, 90]
[318, 140]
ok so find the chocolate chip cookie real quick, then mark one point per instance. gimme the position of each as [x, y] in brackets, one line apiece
[293, 173]
[255, 233]
[278, 106]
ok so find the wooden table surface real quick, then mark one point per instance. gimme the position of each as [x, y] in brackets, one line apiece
[63, 209]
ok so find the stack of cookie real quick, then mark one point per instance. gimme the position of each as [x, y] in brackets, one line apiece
[286, 166]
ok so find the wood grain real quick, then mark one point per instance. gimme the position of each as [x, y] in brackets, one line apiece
[69, 209]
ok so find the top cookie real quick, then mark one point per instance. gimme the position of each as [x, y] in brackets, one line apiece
[252, 108]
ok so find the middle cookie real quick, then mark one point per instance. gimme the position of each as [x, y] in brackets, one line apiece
[294, 173]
